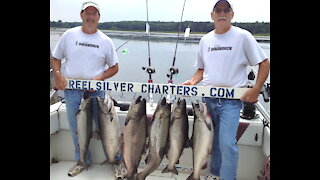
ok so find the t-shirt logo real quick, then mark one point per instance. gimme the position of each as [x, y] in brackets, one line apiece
[86, 44]
[219, 48]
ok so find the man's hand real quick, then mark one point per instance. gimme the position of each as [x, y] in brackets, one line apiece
[187, 82]
[98, 78]
[251, 95]
[60, 81]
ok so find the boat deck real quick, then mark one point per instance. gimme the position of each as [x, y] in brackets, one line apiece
[58, 171]
[253, 148]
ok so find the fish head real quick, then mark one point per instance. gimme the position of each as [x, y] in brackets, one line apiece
[163, 109]
[199, 109]
[179, 106]
[201, 113]
[137, 107]
[105, 104]
[85, 103]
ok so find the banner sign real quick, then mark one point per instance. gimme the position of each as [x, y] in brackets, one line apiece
[154, 88]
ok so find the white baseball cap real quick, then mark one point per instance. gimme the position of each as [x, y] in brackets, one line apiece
[228, 1]
[90, 3]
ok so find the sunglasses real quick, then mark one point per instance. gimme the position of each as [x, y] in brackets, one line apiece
[91, 13]
[218, 10]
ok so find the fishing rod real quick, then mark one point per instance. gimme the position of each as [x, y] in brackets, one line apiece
[125, 42]
[150, 70]
[173, 70]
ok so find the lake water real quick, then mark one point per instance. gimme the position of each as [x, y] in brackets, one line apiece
[134, 55]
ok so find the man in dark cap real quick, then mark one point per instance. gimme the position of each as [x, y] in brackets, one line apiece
[223, 57]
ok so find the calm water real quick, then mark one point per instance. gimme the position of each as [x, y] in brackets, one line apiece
[134, 55]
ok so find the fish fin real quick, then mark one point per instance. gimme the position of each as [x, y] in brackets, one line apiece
[96, 135]
[187, 143]
[190, 142]
[127, 120]
[190, 177]
[147, 143]
[205, 165]
[78, 112]
[174, 170]
[151, 120]
[139, 176]
[208, 122]
[147, 159]
[121, 149]
[144, 149]
[167, 147]
[109, 111]
[162, 151]
[171, 121]
[115, 103]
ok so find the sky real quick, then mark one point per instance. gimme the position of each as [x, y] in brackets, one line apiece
[159, 10]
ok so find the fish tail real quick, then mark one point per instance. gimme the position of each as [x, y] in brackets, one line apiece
[190, 177]
[139, 176]
[173, 170]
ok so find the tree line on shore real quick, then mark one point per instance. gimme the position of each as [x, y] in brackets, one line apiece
[160, 26]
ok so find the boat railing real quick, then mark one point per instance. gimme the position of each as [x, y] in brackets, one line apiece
[266, 97]
[263, 111]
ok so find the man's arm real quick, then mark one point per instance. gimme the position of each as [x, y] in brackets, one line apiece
[111, 71]
[60, 81]
[253, 93]
[196, 78]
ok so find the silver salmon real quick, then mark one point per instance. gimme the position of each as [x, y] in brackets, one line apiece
[201, 138]
[134, 137]
[178, 134]
[158, 138]
[109, 128]
[84, 128]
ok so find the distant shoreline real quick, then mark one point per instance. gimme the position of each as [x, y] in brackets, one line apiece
[194, 37]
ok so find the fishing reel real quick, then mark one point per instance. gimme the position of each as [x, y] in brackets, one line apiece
[172, 71]
[149, 70]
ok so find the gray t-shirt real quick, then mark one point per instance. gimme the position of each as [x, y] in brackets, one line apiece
[225, 57]
[87, 55]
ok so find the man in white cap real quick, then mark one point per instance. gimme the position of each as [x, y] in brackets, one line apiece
[223, 57]
[89, 55]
